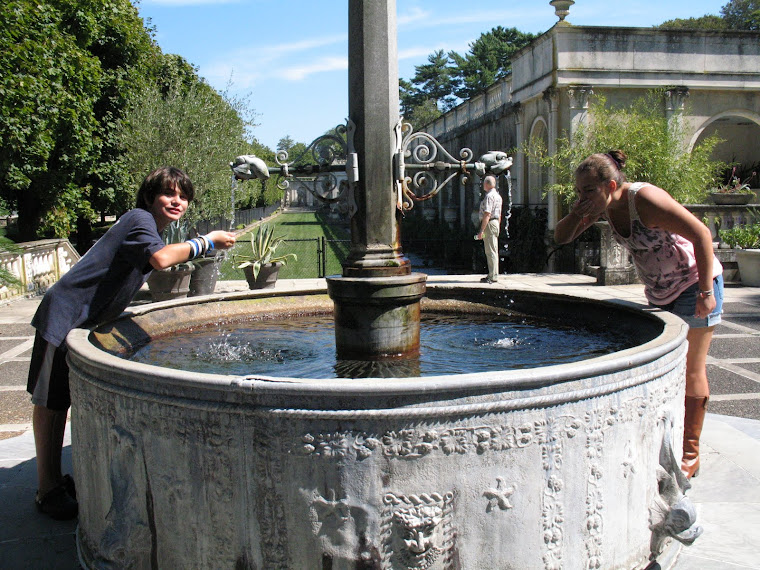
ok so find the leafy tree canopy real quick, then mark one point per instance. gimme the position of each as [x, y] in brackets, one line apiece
[654, 147]
[49, 84]
[708, 22]
[488, 60]
[439, 84]
[735, 15]
[742, 14]
[192, 127]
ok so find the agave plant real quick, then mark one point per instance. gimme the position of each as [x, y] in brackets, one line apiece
[263, 247]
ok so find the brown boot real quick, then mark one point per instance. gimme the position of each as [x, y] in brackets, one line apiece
[696, 407]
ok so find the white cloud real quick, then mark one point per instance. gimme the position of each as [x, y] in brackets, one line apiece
[302, 72]
[180, 3]
[251, 64]
[415, 15]
[302, 45]
[415, 52]
[506, 18]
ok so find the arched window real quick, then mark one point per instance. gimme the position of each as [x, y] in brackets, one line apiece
[740, 131]
[537, 175]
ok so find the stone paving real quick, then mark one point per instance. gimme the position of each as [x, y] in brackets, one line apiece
[727, 493]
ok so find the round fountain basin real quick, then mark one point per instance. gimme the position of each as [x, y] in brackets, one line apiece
[545, 467]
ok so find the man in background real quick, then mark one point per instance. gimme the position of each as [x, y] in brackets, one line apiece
[490, 222]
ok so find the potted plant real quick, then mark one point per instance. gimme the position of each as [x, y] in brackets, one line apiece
[746, 239]
[172, 282]
[735, 192]
[206, 273]
[262, 266]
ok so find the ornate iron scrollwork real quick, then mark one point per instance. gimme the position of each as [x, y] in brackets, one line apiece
[331, 154]
[421, 161]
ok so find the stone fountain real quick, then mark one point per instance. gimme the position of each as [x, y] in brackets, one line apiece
[563, 466]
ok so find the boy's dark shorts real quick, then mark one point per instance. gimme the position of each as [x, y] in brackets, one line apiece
[48, 381]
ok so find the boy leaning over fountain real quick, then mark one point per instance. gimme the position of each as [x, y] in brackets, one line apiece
[673, 254]
[98, 288]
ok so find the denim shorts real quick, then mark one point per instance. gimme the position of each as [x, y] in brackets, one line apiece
[686, 305]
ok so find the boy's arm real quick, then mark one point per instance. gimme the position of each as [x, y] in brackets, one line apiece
[175, 253]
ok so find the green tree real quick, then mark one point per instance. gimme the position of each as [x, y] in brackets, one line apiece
[68, 69]
[654, 147]
[433, 80]
[708, 22]
[736, 15]
[48, 87]
[193, 128]
[116, 35]
[285, 143]
[488, 60]
[742, 14]
[430, 91]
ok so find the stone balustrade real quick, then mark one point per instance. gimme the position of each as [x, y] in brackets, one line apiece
[37, 265]
[471, 110]
[723, 217]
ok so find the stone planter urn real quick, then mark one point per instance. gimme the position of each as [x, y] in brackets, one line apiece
[728, 199]
[206, 274]
[748, 261]
[172, 283]
[266, 278]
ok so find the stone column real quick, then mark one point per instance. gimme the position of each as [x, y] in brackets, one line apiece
[674, 106]
[518, 169]
[377, 300]
[551, 96]
[373, 104]
[579, 97]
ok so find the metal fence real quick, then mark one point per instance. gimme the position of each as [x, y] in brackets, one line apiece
[316, 257]
[319, 257]
[243, 218]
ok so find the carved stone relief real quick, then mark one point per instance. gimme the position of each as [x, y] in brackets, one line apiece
[418, 531]
[671, 514]
[499, 497]
[339, 525]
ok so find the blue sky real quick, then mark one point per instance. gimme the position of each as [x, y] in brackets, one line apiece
[289, 57]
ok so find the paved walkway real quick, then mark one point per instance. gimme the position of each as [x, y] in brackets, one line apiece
[727, 492]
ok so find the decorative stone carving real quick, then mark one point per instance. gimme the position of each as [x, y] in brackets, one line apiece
[676, 99]
[499, 497]
[580, 95]
[265, 475]
[671, 514]
[339, 525]
[420, 530]
[127, 536]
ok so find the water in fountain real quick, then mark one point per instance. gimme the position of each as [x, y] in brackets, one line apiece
[450, 344]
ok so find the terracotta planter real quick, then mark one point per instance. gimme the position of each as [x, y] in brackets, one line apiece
[267, 276]
[748, 261]
[171, 283]
[722, 199]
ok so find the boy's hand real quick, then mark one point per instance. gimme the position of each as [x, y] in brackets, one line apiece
[222, 239]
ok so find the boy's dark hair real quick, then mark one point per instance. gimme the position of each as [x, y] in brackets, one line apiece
[161, 180]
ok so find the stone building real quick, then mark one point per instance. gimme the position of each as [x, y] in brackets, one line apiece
[553, 78]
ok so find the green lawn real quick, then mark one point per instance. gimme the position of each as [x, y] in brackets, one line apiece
[297, 226]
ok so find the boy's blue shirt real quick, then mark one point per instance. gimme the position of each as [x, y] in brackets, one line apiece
[101, 284]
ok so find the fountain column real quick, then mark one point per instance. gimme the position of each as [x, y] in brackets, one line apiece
[377, 298]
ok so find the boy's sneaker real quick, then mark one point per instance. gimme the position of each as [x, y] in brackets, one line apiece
[57, 504]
